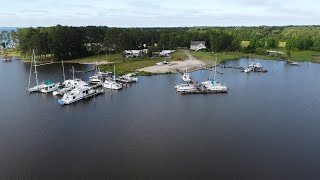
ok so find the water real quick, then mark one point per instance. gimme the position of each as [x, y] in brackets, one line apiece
[267, 126]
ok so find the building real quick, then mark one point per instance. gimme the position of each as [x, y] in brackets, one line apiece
[197, 45]
[166, 53]
[135, 53]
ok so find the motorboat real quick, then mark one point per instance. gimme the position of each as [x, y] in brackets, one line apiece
[186, 87]
[61, 90]
[78, 94]
[96, 79]
[49, 86]
[128, 78]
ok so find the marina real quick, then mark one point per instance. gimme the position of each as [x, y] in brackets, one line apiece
[116, 126]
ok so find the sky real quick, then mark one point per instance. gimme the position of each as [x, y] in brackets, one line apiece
[155, 13]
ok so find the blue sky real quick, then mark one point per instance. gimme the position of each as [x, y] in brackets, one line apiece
[164, 13]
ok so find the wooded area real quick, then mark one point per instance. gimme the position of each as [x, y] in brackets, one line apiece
[65, 42]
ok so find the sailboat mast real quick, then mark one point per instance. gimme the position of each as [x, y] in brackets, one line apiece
[73, 72]
[64, 76]
[215, 69]
[114, 73]
[35, 66]
[30, 73]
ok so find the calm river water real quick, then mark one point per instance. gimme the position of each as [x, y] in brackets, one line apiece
[268, 125]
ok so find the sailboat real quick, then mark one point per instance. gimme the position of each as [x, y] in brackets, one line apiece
[112, 84]
[63, 88]
[38, 87]
[212, 85]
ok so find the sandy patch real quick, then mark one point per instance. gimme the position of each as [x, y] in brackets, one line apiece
[180, 65]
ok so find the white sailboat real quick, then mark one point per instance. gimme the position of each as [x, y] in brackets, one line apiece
[112, 84]
[212, 85]
[62, 89]
[38, 87]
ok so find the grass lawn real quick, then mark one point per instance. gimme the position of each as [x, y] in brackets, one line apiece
[245, 43]
[131, 65]
[11, 52]
[179, 55]
[124, 66]
[282, 44]
[304, 56]
[224, 56]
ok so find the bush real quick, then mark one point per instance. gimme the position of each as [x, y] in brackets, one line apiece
[261, 51]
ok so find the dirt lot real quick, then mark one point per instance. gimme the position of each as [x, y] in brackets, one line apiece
[190, 64]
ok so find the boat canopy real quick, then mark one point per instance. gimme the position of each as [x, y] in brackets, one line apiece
[48, 83]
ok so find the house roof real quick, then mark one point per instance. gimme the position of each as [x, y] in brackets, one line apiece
[195, 43]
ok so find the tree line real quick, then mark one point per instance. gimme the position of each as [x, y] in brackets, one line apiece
[66, 42]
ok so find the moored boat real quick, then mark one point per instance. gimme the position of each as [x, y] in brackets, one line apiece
[112, 84]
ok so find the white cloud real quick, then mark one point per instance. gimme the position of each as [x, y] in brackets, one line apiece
[143, 13]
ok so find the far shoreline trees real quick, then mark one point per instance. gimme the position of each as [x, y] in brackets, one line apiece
[65, 42]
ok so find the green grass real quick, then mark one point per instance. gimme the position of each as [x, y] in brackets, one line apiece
[179, 55]
[11, 52]
[282, 44]
[209, 57]
[304, 56]
[131, 65]
[124, 66]
[245, 43]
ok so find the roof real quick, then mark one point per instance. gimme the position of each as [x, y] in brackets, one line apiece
[48, 83]
[195, 43]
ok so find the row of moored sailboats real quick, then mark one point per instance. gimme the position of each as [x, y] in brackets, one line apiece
[209, 86]
[73, 90]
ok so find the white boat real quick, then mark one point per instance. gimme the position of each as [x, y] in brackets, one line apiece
[38, 86]
[97, 78]
[128, 78]
[79, 93]
[69, 84]
[247, 70]
[61, 91]
[49, 86]
[186, 88]
[44, 87]
[213, 85]
[186, 77]
[254, 67]
[112, 84]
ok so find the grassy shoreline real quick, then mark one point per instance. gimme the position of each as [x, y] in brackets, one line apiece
[124, 66]
[299, 56]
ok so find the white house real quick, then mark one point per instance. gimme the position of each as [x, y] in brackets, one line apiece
[135, 53]
[197, 45]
